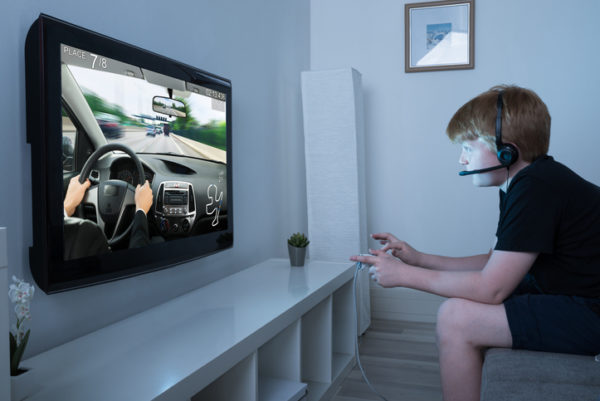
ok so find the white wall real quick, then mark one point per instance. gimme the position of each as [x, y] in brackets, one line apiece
[413, 189]
[261, 46]
[412, 186]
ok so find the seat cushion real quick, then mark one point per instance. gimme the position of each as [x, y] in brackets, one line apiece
[511, 375]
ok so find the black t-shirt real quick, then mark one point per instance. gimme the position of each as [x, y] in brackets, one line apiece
[551, 210]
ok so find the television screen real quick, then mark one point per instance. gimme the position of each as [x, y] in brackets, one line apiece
[131, 158]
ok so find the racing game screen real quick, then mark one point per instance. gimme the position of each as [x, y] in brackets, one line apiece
[175, 129]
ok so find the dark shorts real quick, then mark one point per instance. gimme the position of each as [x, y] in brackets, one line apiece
[554, 323]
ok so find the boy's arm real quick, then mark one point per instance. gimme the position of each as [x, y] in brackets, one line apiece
[403, 251]
[492, 285]
[446, 263]
[500, 276]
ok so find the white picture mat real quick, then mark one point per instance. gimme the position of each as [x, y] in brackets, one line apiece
[454, 49]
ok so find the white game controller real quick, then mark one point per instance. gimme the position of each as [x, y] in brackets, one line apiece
[361, 265]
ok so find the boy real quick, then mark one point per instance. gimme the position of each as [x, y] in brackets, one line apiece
[539, 288]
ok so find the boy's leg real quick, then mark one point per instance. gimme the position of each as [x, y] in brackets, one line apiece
[464, 329]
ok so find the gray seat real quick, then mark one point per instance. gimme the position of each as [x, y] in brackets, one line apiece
[514, 375]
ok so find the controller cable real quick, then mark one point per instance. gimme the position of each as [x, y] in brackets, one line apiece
[360, 266]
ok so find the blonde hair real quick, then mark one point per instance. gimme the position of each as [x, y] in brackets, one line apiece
[525, 121]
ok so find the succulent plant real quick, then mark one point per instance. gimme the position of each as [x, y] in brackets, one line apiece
[298, 240]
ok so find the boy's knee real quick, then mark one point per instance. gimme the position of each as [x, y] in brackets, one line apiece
[452, 320]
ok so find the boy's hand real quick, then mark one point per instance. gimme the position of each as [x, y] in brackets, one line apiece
[400, 249]
[385, 269]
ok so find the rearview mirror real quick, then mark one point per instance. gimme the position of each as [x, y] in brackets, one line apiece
[167, 106]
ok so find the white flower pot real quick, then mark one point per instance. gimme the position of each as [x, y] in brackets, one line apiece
[23, 385]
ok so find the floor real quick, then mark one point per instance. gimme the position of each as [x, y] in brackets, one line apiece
[401, 362]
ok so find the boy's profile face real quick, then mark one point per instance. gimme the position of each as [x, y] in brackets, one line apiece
[477, 155]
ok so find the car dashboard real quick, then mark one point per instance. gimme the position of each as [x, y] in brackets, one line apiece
[124, 169]
[188, 199]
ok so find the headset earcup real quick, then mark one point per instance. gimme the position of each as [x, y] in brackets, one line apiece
[507, 154]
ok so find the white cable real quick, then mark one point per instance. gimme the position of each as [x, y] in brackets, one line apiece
[359, 266]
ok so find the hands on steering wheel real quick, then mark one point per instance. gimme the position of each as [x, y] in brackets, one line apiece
[112, 197]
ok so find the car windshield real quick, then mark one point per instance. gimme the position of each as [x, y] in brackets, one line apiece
[123, 107]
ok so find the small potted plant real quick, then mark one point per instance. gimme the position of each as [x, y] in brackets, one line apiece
[20, 293]
[297, 244]
[22, 385]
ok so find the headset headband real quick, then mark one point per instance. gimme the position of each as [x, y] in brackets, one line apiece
[499, 106]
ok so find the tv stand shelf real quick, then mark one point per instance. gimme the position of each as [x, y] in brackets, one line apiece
[269, 332]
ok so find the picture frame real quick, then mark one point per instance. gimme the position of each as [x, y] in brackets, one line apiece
[439, 35]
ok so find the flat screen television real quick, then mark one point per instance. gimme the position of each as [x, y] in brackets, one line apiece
[105, 113]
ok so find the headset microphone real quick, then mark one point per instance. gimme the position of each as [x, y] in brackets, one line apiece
[507, 154]
[483, 170]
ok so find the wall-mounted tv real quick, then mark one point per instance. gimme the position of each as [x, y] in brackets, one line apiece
[103, 117]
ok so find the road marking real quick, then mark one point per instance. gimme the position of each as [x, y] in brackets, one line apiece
[177, 146]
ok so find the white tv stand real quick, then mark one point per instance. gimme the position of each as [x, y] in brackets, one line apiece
[269, 332]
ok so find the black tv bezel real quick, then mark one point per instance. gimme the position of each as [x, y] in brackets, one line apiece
[44, 133]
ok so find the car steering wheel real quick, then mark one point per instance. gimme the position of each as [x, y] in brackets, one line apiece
[111, 197]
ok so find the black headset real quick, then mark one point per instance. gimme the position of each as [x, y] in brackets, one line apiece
[507, 154]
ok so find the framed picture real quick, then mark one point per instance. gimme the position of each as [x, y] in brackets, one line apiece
[439, 35]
